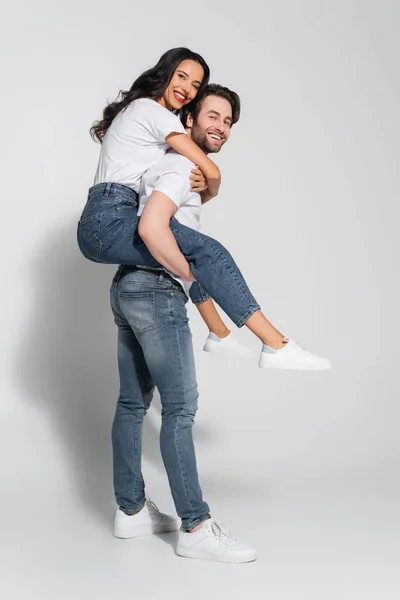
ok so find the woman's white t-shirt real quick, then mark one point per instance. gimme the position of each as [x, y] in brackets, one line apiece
[135, 141]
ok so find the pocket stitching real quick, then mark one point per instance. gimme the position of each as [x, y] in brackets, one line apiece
[84, 220]
[152, 324]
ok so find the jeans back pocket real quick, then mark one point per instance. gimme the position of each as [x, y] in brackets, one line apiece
[139, 309]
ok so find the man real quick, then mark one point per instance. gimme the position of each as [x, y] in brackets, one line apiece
[155, 348]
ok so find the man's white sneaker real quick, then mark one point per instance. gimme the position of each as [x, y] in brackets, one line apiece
[227, 345]
[148, 520]
[214, 542]
[292, 356]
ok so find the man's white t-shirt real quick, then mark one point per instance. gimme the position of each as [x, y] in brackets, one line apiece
[135, 141]
[171, 177]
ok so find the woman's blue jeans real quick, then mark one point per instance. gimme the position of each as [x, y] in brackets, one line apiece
[108, 233]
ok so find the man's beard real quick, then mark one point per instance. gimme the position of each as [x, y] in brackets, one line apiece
[201, 139]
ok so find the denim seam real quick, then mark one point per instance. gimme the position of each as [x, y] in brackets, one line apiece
[99, 244]
[146, 284]
[83, 220]
[101, 203]
[139, 472]
[134, 482]
[245, 293]
[178, 420]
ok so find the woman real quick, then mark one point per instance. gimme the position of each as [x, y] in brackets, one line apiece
[135, 133]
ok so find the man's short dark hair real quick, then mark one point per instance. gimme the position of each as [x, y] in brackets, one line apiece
[212, 89]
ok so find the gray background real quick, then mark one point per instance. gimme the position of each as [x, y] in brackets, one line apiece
[302, 465]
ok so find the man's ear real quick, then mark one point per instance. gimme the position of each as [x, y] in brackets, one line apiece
[189, 121]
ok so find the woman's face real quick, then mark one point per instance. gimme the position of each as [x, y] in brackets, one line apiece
[183, 86]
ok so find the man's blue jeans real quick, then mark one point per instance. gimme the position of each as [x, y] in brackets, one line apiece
[108, 233]
[155, 349]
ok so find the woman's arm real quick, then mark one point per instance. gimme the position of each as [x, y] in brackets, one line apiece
[206, 196]
[182, 143]
[155, 232]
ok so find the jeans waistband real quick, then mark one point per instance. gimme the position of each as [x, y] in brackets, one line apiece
[114, 189]
[156, 276]
[158, 273]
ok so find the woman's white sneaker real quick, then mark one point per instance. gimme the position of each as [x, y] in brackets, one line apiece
[146, 521]
[227, 345]
[292, 356]
[214, 542]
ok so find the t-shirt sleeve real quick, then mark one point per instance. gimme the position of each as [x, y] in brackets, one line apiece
[164, 123]
[175, 185]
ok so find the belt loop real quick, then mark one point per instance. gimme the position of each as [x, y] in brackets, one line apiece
[108, 189]
[160, 278]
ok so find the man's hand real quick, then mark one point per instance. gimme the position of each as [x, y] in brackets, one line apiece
[198, 181]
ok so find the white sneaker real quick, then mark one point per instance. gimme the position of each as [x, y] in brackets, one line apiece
[227, 345]
[292, 356]
[214, 542]
[148, 520]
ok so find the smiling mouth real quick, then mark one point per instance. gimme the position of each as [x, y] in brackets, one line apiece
[215, 137]
[180, 97]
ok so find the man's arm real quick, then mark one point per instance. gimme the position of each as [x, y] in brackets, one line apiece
[155, 232]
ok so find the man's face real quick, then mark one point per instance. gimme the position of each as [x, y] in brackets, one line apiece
[213, 125]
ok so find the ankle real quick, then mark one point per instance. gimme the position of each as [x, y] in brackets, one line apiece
[276, 343]
[221, 333]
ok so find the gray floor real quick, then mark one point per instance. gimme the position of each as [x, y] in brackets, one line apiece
[318, 537]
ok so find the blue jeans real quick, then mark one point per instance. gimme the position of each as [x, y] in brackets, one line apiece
[108, 233]
[155, 349]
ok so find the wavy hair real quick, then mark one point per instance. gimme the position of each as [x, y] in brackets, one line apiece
[212, 89]
[150, 84]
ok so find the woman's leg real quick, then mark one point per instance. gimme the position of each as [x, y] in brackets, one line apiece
[107, 233]
[215, 269]
[212, 319]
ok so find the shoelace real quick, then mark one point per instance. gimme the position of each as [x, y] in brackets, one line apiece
[222, 533]
[152, 505]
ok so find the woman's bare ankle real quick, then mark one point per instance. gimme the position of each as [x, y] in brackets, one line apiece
[276, 343]
[221, 333]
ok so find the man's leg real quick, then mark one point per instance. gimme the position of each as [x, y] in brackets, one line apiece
[154, 307]
[156, 311]
[136, 392]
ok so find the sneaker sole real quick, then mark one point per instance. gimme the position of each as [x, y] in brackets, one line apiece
[221, 352]
[143, 530]
[184, 553]
[294, 367]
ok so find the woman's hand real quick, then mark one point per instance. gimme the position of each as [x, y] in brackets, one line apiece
[198, 181]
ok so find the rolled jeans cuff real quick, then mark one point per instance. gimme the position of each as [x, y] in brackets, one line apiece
[197, 293]
[196, 522]
[242, 320]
